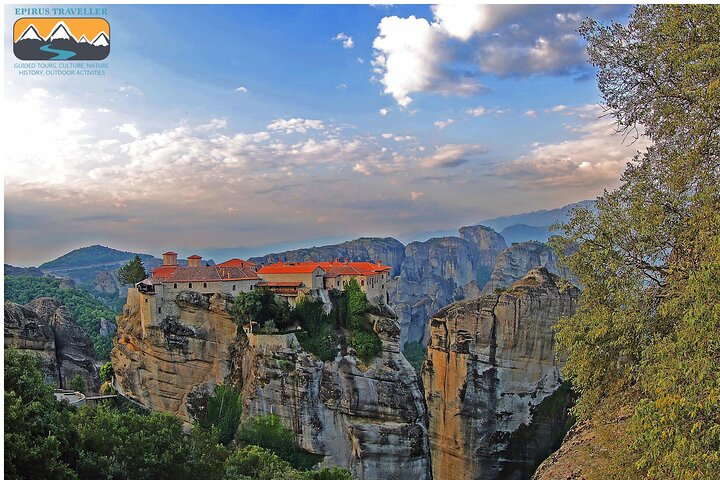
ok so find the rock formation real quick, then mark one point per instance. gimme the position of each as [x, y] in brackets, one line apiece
[107, 327]
[46, 327]
[438, 272]
[371, 419]
[515, 261]
[108, 282]
[25, 331]
[160, 365]
[492, 384]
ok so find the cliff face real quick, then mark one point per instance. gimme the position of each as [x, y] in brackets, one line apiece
[371, 420]
[161, 365]
[46, 328]
[492, 384]
[515, 261]
[438, 272]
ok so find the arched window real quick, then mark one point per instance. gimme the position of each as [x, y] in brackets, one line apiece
[234, 287]
[362, 283]
[174, 285]
[189, 285]
[204, 284]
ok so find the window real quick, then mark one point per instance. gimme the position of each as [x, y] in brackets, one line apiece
[338, 283]
[234, 287]
[362, 283]
[174, 285]
[189, 285]
[159, 309]
[204, 284]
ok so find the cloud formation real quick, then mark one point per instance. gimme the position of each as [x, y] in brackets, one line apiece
[347, 41]
[594, 159]
[295, 125]
[448, 53]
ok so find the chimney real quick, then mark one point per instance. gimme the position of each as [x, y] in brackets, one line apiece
[379, 262]
[346, 260]
[194, 261]
[337, 260]
[170, 259]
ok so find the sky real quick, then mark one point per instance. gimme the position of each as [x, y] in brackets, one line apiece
[243, 129]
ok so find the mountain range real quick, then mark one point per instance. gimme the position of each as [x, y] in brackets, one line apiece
[61, 44]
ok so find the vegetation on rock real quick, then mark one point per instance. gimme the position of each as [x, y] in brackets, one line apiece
[223, 412]
[85, 309]
[647, 331]
[47, 439]
[261, 306]
[414, 353]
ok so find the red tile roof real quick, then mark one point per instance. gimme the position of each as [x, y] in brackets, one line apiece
[163, 271]
[236, 262]
[194, 256]
[169, 253]
[332, 269]
[209, 274]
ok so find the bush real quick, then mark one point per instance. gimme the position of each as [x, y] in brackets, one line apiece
[106, 372]
[77, 383]
[319, 336]
[366, 344]
[267, 431]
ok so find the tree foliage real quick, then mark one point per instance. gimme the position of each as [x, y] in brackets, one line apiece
[84, 308]
[132, 272]
[646, 329]
[38, 443]
[77, 383]
[261, 305]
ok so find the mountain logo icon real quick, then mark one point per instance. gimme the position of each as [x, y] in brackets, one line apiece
[61, 38]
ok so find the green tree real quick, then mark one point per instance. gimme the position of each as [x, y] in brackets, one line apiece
[414, 352]
[267, 431]
[77, 383]
[132, 272]
[646, 331]
[261, 305]
[357, 304]
[38, 441]
[106, 372]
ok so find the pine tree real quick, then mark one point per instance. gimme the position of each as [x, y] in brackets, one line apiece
[132, 272]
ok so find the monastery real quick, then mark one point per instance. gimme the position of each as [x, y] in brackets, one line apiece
[290, 280]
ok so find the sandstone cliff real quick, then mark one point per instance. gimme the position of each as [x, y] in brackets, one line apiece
[515, 261]
[492, 384]
[46, 328]
[371, 419]
[159, 365]
[438, 272]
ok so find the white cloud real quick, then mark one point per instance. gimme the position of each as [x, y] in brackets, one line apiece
[450, 156]
[130, 90]
[213, 124]
[448, 53]
[359, 60]
[103, 110]
[384, 111]
[341, 86]
[296, 125]
[477, 111]
[130, 129]
[531, 113]
[387, 135]
[558, 108]
[444, 123]
[415, 196]
[241, 90]
[594, 160]
[347, 41]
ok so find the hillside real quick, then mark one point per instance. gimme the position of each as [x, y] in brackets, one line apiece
[93, 256]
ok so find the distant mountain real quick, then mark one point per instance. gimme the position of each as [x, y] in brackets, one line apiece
[30, 33]
[525, 233]
[22, 271]
[94, 255]
[101, 40]
[537, 218]
[60, 32]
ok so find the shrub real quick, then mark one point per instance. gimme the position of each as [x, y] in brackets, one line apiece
[366, 344]
[106, 372]
[415, 354]
[77, 383]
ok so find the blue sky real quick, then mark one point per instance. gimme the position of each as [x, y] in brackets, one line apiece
[251, 128]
